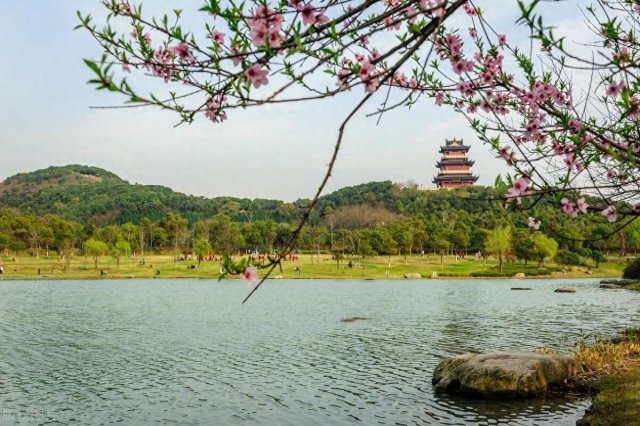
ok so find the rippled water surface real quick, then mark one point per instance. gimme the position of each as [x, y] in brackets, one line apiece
[187, 352]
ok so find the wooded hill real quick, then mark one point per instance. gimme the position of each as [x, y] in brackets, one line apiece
[85, 193]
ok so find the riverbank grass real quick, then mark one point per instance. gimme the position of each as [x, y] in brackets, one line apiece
[612, 369]
[311, 266]
[618, 400]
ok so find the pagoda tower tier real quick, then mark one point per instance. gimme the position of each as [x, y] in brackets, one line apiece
[454, 166]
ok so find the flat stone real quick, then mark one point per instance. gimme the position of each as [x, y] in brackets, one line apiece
[521, 288]
[354, 319]
[502, 374]
[413, 276]
[611, 286]
[564, 290]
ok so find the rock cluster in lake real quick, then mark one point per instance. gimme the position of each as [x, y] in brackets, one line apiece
[502, 374]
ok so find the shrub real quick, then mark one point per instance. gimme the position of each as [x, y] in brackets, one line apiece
[632, 271]
[566, 257]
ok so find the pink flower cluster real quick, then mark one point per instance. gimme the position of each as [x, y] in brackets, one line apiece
[452, 49]
[366, 70]
[163, 66]
[520, 187]
[265, 26]
[310, 14]
[572, 209]
[214, 110]
[257, 75]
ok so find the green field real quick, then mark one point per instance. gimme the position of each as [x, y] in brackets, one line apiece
[312, 266]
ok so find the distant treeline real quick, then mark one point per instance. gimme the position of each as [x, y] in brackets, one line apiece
[61, 208]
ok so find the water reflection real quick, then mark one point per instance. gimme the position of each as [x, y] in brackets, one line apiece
[188, 352]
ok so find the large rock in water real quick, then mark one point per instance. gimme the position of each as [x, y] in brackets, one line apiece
[502, 374]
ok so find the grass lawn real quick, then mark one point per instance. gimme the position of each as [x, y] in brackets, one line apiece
[311, 267]
[618, 402]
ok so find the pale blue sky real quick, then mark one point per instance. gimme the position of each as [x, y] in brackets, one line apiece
[269, 152]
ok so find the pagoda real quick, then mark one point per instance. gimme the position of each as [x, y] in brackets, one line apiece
[455, 166]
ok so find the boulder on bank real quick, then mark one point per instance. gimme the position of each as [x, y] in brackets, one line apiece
[520, 275]
[413, 276]
[502, 374]
[564, 290]
[611, 286]
[620, 282]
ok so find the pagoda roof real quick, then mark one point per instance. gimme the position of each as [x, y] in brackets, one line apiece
[454, 145]
[455, 177]
[455, 162]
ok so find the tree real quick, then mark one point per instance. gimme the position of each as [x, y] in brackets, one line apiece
[201, 248]
[545, 247]
[95, 249]
[119, 249]
[597, 257]
[499, 243]
[524, 247]
[440, 244]
[175, 227]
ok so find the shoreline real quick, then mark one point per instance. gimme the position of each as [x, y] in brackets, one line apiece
[468, 278]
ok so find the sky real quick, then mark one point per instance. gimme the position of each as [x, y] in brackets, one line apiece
[268, 152]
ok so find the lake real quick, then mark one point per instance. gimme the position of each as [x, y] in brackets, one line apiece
[188, 352]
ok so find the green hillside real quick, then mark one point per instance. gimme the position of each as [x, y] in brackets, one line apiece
[85, 193]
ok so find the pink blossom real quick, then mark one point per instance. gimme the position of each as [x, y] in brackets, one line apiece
[575, 125]
[365, 70]
[214, 110]
[391, 24]
[237, 57]
[534, 223]
[308, 14]
[614, 89]
[321, 18]
[374, 55]
[507, 155]
[439, 98]
[257, 75]
[470, 10]
[582, 205]
[218, 37]
[371, 85]
[568, 207]
[250, 274]
[502, 40]
[183, 51]
[125, 67]
[522, 184]
[264, 26]
[343, 75]
[610, 213]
